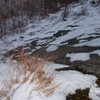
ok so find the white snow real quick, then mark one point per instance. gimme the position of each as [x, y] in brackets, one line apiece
[51, 48]
[78, 56]
[81, 56]
[3, 74]
[94, 93]
[94, 42]
[69, 80]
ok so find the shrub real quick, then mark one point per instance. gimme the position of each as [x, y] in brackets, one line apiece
[28, 69]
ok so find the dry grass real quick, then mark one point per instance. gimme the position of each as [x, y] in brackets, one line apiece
[29, 69]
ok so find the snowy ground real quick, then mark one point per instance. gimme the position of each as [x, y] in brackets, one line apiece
[83, 27]
[69, 82]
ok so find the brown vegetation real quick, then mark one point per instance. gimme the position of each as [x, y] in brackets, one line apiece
[16, 13]
[28, 69]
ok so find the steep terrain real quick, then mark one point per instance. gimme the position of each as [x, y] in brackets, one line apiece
[74, 42]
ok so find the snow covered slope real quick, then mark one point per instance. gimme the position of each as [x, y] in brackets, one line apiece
[81, 28]
[63, 84]
[80, 33]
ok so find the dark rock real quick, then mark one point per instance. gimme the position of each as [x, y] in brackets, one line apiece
[93, 56]
[22, 37]
[98, 82]
[79, 95]
[61, 33]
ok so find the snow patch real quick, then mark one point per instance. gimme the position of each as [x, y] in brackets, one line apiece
[78, 56]
[94, 93]
[51, 48]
